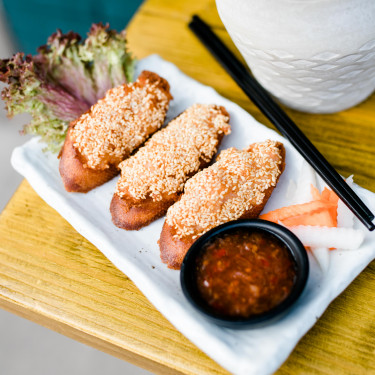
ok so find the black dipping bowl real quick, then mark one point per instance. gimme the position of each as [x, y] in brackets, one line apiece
[293, 244]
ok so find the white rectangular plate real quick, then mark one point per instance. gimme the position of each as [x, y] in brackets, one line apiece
[253, 351]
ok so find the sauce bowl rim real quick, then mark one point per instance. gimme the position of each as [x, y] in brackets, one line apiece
[295, 248]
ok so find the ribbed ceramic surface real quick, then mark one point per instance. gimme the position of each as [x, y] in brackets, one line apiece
[313, 55]
[326, 82]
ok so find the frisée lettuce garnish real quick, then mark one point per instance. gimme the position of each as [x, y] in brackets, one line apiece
[64, 79]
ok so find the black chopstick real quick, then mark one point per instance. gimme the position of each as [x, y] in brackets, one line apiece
[281, 120]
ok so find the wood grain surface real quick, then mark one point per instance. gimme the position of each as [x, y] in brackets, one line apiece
[53, 276]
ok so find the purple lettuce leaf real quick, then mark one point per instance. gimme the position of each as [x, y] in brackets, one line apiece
[64, 79]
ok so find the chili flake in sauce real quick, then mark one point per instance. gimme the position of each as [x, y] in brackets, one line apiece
[245, 273]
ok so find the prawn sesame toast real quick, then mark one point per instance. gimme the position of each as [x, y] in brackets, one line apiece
[153, 178]
[111, 130]
[236, 186]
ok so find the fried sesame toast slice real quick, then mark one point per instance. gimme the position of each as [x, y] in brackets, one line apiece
[111, 130]
[153, 178]
[131, 214]
[236, 186]
[76, 177]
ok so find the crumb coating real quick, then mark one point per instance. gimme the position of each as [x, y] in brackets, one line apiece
[233, 185]
[173, 154]
[121, 121]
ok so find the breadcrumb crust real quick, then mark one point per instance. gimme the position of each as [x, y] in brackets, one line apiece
[121, 121]
[173, 154]
[225, 191]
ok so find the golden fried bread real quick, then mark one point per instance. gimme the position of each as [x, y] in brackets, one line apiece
[237, 186]
[111, 130]
[130, 214]
[153, 178]
[77, 177]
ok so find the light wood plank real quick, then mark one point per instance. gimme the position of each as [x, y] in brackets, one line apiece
[67, 282]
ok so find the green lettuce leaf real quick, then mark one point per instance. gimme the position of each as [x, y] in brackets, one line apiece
[64, 79]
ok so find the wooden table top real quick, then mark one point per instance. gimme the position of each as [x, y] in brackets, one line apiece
[53, 276]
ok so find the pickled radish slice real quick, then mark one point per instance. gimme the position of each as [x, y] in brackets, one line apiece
[339, 238]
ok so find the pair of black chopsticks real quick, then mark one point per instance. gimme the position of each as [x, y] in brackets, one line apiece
[280, 119]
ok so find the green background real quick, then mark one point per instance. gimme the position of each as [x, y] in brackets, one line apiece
[33, 21]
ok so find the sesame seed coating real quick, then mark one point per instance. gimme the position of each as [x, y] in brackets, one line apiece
[225, 191]
[120, 122]
[173, 154]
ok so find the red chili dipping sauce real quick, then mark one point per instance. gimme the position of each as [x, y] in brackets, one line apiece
[244, 273]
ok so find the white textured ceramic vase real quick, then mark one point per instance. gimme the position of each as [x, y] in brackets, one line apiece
[313, 55]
